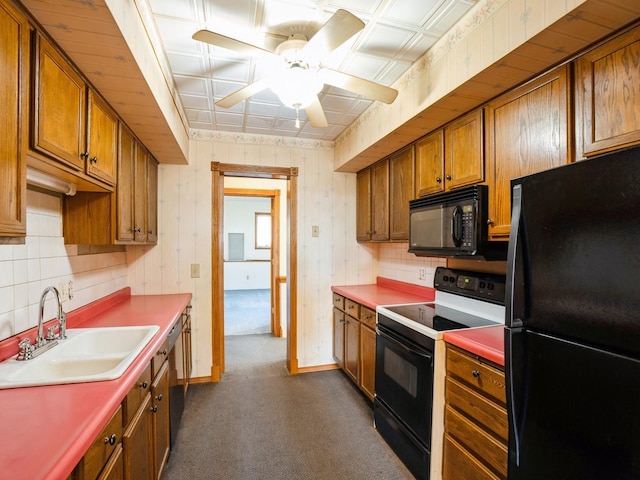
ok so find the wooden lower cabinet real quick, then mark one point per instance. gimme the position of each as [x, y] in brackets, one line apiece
[114, 469]
[354, 342]
[137, 444]
[160, 419]
[98, 461]
[475, 423]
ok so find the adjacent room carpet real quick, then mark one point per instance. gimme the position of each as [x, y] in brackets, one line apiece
[247, 311]
[261, 423]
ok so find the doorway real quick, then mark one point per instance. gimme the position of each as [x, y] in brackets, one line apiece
[219, 172]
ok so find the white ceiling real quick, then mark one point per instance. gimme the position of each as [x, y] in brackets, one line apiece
[396, 34]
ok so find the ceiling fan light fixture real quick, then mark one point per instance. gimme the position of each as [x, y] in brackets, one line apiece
[297, 86]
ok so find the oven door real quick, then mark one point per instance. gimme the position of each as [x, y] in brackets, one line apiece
[404, 381]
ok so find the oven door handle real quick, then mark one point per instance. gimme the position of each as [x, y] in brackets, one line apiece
[400, 343]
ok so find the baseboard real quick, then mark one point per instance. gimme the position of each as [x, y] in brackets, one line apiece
[319, 368]
[195, 380]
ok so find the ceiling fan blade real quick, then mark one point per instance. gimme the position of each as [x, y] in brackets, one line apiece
[316, 114]
[244, 93]
[218, 40]
[339, 28]
[361, 86]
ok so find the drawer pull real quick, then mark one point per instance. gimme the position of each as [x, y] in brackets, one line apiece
[159, 397]
[144, 384]
[111, 440]
[162, 352]
[475, 373]
[154, 409]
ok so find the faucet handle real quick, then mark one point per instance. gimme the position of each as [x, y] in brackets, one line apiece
[25, 349]
[51, 332]
[63, 325]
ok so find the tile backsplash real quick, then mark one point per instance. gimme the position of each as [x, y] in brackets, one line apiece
[396, 263]
[43, 260]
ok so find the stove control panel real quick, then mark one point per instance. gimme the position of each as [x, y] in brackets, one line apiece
[481, 286]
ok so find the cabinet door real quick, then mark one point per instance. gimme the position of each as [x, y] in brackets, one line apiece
[152, 200]
[430, 164]
[160, 419]
[102, 139]
[367, 360]
[14, 48]
[527, 132]
[338, 336]
[363, 205]
[464, 151]
[59, 107]
[114, 469]
[140, 193]
[608, 95]
[351, 347]
[401, 190]
[380, 201]
[125, 185]
[136, 444]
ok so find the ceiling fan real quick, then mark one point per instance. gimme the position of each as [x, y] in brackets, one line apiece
[300, 75]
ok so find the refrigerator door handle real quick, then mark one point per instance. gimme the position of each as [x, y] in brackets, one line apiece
[515, 404]
[514, 296]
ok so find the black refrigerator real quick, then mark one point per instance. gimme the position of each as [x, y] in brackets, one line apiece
[572, 336]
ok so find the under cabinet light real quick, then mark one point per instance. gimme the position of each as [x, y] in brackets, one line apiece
[49, 182]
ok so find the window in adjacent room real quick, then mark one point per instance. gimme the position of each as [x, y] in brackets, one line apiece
[263, 230]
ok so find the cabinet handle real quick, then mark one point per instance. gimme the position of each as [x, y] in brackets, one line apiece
[188, 330]
[150, 232]
[161, 352]
[448, 177]
[94, 160]
[136, 230]
[475, 373]
[159, 397]
[111, 440]
[84, 155]
[438, 180]
[489, 221]
[144, 384]
[154, 409]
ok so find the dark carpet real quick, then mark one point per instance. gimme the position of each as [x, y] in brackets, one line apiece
[261, 423]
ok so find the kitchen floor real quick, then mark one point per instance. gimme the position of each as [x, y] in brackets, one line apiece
[247, 311]
[259, 422]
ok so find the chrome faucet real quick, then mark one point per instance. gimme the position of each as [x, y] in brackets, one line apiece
[42, 344]
[62, 318]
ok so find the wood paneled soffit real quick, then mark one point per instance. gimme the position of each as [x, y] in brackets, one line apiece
[593, 21]
[108, 42]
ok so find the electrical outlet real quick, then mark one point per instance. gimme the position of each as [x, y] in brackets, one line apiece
[422, 273]
[70, 290]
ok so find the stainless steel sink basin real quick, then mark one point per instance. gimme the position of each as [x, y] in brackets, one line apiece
[87, 355]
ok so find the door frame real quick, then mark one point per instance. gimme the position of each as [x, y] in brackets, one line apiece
[218, 172]
[274, 254]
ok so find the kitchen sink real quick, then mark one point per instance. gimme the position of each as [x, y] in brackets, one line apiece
[86, 355]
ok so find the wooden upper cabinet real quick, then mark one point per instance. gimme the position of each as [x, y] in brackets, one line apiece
[401, 190]
[14, 48]
[71, 123]
[152, 199]
[430, 164]
[140, 193]
[464, 151]
[102, 139]
[363, 205]
[608, 96]
[452, 157]
[125, 204]
[59, 107]
[527, 132]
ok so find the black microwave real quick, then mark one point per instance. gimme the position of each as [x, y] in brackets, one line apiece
[453, 224]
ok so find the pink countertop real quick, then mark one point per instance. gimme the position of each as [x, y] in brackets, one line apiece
[385, 292]
[46, 430]
[486, 342]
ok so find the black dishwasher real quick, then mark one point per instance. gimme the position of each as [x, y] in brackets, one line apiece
[176, 391]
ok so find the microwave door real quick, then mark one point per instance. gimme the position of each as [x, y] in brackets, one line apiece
[426, 227]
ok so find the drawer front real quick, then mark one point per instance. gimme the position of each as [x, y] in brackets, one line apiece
[483, 446]
[489, 415]
[137, 394]
[338, 301]
[485, 378]
[159, 358]
[101, 449]
[459, 465]
[352, 308]
[368, 317]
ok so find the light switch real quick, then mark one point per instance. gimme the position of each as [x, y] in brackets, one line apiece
[315, 231]
[195, 270]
